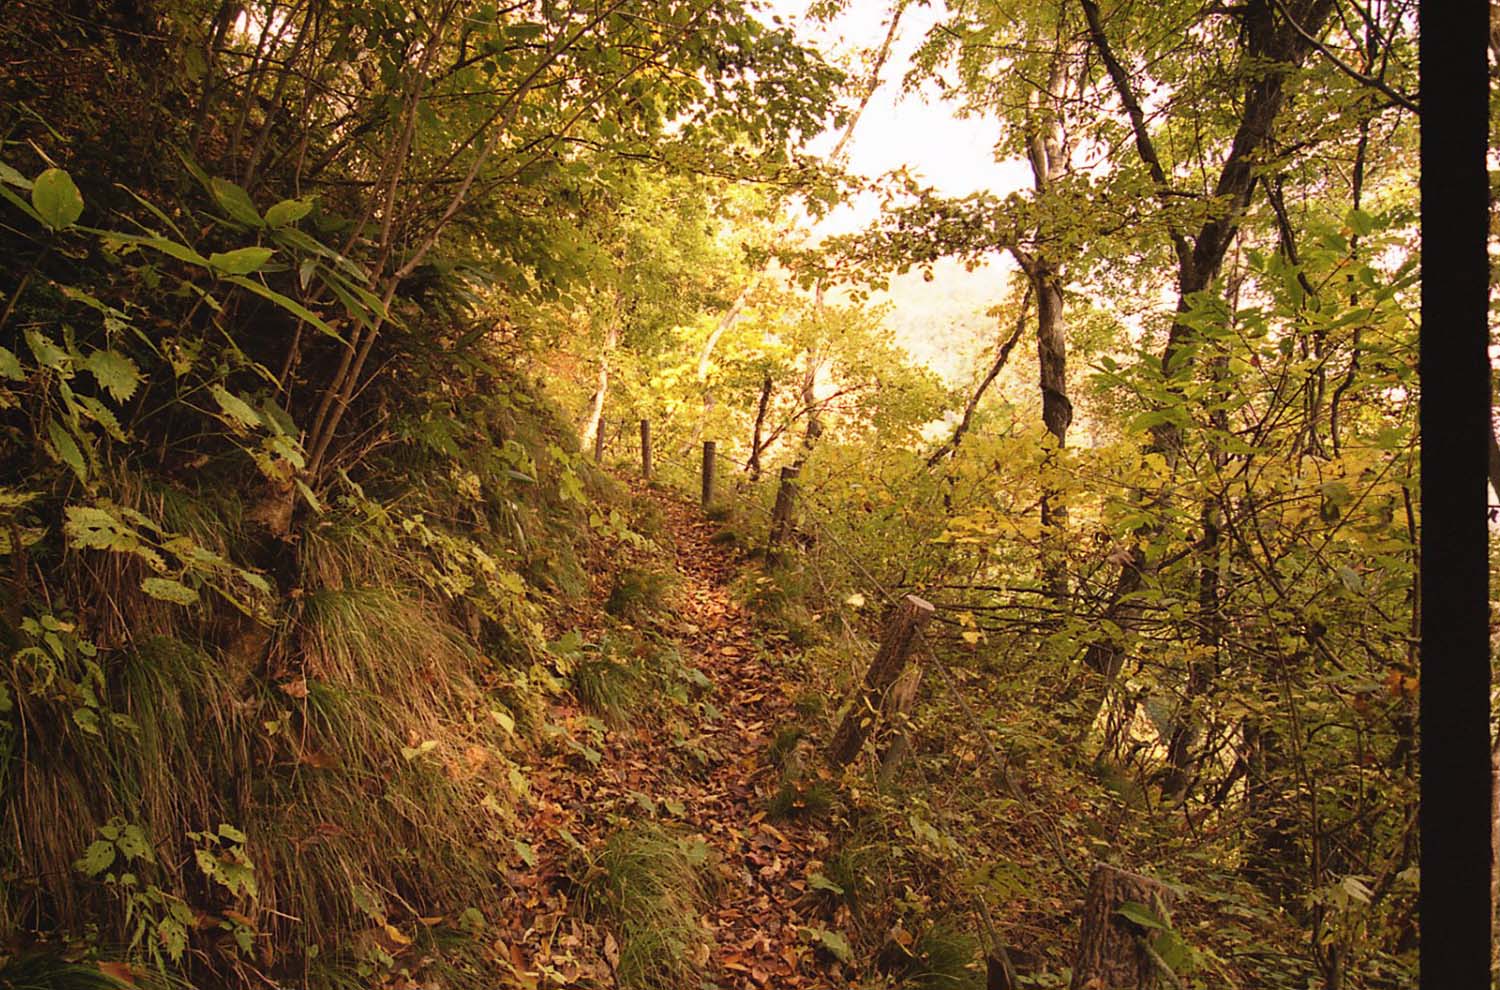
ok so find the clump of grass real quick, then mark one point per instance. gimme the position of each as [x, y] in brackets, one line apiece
[943, 958]
[853, 868]
[606, 687]
[811, 704]
[800, 799]
[648, 887]
[636, 593]
[784, 744]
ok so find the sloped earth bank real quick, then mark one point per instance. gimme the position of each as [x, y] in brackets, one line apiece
[702, 771]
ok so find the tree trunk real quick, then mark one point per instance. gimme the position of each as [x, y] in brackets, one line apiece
[596, 404]
[1111, 953]
[753, 465]
[1275, 48]
[781, 514]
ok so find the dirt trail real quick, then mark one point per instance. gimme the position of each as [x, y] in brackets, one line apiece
[706, 776]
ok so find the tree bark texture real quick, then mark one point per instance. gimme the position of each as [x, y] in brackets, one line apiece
[781, 514]
[1110, 953]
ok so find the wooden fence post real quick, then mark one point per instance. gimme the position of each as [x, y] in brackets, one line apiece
[899, 702]
[895, 647]
[646, 449]
[1111, 953]
[599, 441]
[781, 513]
[708, 471]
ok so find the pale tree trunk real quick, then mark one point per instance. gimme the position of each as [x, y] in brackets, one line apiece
[596, 405]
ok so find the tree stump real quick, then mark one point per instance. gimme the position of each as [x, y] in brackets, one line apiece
[1110, 952]
[895, 646]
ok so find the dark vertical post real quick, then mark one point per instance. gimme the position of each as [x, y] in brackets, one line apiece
[709, 448]
[781, 513]
[895, 647]
[599, 441]
[646, 449]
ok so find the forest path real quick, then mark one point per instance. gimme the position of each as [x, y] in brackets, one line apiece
[700, 769]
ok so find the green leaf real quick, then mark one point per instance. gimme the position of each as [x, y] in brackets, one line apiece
[56, 199]
[167, 590]
[241, 261]
[236, 202]
[524, 850]
[290, 305]
[115, 373]
[235, 407]
[837, 944]
[817, 881]
[10, 366]
[47, 354]
[20, 204]
[11, 176]
[287, 211]
[232, 834]
[90, 528]
[168, 247]
[67, 450]
[99, 856]
[1141, 915]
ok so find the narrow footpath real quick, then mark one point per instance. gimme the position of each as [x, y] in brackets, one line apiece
[705, 773]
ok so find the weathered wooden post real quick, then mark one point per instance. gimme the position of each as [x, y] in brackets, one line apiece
[781, 513]
[899, 701]
[599, 441]
[895, 647]
[709, 448]
[646, 449]
[1111, 952]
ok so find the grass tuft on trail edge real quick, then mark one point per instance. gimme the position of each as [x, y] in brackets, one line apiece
[647, 887]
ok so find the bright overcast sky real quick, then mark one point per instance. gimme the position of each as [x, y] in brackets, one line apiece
[941, 322]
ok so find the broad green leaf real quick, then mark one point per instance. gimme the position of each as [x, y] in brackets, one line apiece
[97, 858]
[287, 211]
[235, 407]
[14, 178]
[168, 247]
[10, 366]
[115, 373]
[817, 881]
[236, 202]
[524, 850]
[837, 944]
[168, 590]
[1140, 914]
[290, 305]
[67, 449]
[241, 261]
[47, 354]
[100, 413]
[56, 199]
[233, 834]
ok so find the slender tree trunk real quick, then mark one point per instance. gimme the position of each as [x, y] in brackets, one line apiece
[1001, 357]
[596, 404]
[753, 465]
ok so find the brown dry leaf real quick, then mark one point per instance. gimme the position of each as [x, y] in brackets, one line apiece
[118, 971]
